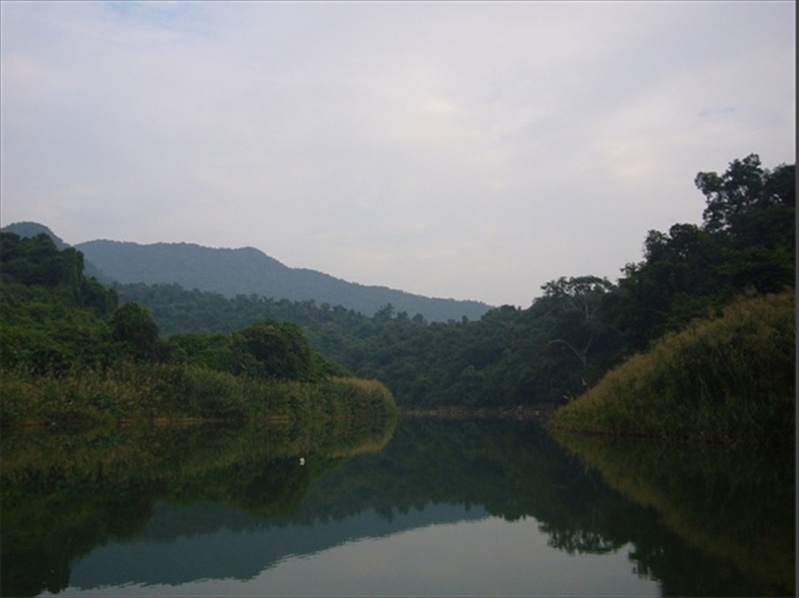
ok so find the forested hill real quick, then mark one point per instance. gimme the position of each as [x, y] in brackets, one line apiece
[552, 351]
[247, 271]
[31, 229]
[571, 335]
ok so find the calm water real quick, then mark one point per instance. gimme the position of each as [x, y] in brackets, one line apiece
[430, 508]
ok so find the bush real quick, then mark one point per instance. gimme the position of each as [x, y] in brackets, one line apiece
[730, 379]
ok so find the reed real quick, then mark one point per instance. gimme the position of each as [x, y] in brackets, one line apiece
[159, 393]
[727, 380]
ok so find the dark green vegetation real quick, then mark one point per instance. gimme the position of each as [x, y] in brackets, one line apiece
[70, 355]
[249, 271]
[725, 380]
[63, 493]
[571, 335]
[713, 499]
[698, 522]
[556, 349]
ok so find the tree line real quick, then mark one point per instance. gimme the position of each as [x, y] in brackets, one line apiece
[54, 317]
[570, 336]
[71, 353]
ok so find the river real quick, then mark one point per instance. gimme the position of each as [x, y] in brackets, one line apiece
[430, 507]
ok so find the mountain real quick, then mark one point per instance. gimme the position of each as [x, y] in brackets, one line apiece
[244, 271]
[31, 229]
[247, 270]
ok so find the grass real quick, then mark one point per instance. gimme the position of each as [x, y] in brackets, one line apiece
[150, 393]
[728, 380]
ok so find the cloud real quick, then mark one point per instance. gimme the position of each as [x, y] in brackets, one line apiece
[473, 150]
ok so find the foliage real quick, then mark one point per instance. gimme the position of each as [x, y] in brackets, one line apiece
[746, 241]
[548, 353]
[51, 316]
[148, 392]
[273, 349]
[729, 380]
[246, 271]
[133, 327]
[69, 356]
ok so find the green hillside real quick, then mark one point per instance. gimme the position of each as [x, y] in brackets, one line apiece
[247, 271]
[726, 380]
[70, 355]
[548, 354]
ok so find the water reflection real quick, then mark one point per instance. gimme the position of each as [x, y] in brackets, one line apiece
[735, 504]
[451, 508]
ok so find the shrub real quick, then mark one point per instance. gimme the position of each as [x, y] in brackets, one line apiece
[729, 379]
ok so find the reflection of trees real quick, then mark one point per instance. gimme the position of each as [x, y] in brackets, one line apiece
[735, 505]
[63, 495]
[106, 486]
[579, 541]
[516, 470]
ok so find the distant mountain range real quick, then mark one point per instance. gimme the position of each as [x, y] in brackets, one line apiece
[246, 271]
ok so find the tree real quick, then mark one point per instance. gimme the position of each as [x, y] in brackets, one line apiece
[753, 211]
[749, 204]
[576, 302]
[133, 327]
[274, 349]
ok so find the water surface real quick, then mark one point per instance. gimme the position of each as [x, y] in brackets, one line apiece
[455, 508]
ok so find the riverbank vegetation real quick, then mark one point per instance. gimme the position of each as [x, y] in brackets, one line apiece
[130, 393]
[574, 333]
[541, 357]
[723, 380]
[70, 356]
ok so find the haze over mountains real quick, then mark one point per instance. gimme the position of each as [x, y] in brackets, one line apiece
[246, 271]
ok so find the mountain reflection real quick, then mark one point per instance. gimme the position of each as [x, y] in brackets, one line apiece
[174, 506]
[239, 547]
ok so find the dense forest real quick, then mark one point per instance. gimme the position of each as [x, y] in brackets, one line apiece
[71, 354]
[570, 336]
[247, 270]
[549, 353]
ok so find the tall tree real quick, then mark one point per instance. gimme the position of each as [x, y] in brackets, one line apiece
[749, 204]
[133, 327]
[274, 349]
[577, 302]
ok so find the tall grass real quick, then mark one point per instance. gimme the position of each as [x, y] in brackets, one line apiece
[137, 393]
[729, 380]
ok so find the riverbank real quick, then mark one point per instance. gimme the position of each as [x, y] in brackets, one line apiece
[130, 393]
[518, 412]
[729, 380]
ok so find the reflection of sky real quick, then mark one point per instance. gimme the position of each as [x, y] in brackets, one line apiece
[484, 557]
[186, 543]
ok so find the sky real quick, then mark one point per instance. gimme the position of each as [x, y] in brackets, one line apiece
[472, 150]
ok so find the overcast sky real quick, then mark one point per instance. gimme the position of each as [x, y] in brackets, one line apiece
[468, 150]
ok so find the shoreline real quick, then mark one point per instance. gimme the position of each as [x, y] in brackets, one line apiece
[517, 412]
